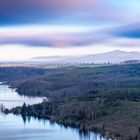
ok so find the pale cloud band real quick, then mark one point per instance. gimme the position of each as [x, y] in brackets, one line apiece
[70, 24]
[51, 36]
[70, 36]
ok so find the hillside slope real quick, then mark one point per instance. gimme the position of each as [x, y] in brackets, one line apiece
[79, 81]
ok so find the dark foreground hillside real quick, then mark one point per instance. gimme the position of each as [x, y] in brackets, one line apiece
[105, 99]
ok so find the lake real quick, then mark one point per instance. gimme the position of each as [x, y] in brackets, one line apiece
[29, 128]
[10, 98]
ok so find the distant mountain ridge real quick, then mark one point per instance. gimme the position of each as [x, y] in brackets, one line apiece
[116, 56]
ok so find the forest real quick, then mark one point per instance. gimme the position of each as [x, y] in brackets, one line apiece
[103, 99]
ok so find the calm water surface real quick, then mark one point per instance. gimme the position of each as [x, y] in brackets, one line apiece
[21, 128]
[10, 98]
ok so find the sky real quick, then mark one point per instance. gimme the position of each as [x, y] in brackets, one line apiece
[31, 28]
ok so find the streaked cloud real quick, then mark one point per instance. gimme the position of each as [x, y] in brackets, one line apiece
[71, 24]
[66, 12]
[129, 31]
[55, 11]
[52, 36]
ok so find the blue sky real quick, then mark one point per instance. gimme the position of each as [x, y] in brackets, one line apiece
[57, 27]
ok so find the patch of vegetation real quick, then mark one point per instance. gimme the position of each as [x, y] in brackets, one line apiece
[15, 76]
[103, 99]
[117, 119]
[80, 81]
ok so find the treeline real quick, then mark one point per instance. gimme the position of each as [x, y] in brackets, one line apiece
[16, 76]
[17, 73]
[112, 112]
[105, 99]
[74, 113]
[79, 81]
[127, 94]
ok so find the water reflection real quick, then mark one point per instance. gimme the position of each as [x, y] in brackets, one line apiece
[33, 128]
[62, 130]
[10, 98]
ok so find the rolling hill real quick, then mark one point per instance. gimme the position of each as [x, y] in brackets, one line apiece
[116, 56]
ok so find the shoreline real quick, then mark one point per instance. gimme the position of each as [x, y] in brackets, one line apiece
[83, 129]
[113, 126]
[84, 126]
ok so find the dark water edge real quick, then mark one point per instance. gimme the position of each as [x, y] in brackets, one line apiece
[21, 127]
[82, 133]
[37, 126]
